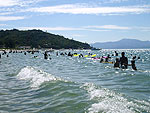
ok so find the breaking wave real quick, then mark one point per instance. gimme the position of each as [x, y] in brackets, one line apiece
[108, 101]
[36, 76]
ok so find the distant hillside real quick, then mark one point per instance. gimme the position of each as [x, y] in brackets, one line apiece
[37, 39]
[123, 44]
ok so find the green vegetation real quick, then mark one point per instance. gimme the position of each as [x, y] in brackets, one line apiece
[38, 39]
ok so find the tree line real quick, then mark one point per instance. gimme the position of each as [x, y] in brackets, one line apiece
[37, 39]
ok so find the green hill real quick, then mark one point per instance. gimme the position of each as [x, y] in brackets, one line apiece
[38, 39]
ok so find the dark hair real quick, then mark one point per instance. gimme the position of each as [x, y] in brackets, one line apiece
[123, 53]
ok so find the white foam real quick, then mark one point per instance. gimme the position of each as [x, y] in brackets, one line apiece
[35, 76]
[110, 102]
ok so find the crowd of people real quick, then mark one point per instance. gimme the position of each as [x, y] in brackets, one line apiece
[121, 62]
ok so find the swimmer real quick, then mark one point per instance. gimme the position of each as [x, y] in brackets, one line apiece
[116, 54]
[133, 63]
[45, 55]
[124, 61]
[117, 63]
[106, 60]
[102, 60]
[81, 55]
[69, 54]
[35, 56]
[56, 53]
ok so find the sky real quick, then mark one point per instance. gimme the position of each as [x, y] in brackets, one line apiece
[82, 20]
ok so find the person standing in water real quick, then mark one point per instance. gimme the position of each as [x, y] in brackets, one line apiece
[133, 63]
[117, 63]
[116, 54]
[124, 61]
[45, 55]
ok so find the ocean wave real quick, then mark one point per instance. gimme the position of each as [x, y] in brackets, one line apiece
[108, 101]
[36, 76]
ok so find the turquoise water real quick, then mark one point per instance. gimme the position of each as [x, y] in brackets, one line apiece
[73, 85]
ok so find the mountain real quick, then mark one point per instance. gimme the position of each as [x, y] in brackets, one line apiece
[37, 39]
[123, 44]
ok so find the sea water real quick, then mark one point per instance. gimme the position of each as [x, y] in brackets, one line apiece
[74, 85]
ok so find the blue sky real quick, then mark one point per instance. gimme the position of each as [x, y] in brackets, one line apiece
[83, 20]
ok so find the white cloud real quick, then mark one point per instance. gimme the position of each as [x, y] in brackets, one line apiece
[28, 2]
[86, 28]
[9, 18]
[62, 29]
[85, 9]
[94, 29]
[6, 13]
[115, 27]
[53, 28]
[8, 3]
[115, 1]
[10, 7]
